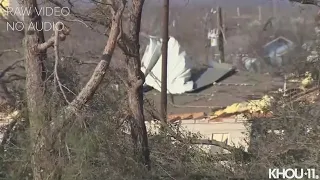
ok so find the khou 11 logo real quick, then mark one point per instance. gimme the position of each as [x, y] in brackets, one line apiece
[291, 173]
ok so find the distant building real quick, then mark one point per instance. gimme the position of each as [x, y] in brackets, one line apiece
[275, 50]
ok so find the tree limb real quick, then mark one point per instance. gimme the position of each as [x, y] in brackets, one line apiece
[101, 68]
[79, 16]
[197, 141]
[9, 50]
[182, 139]
[62, 36]
[61, 126]
[11, 67]
[57, 58]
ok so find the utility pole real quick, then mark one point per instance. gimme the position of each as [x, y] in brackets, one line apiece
[164, 49]
[207, 44]
[220, 35]
[274, 8]
[238, 12]
[260, 13]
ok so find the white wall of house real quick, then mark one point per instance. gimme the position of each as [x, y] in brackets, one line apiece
[230, 131]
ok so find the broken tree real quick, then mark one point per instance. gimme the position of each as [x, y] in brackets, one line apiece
[128, 42]
[47, 132]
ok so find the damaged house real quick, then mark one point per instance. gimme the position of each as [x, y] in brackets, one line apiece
[216, 101]
[185, 83]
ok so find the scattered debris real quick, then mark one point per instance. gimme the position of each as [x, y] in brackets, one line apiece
[307, 81]
[313, 57]
[216, 73]
[179, 67]
[232, 84]
[6, 119]
[253, 106]
[175, 117]
[251, 64]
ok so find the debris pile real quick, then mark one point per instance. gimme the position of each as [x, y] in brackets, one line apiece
[253, 106]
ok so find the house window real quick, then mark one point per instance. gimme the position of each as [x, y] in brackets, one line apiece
[222, 137]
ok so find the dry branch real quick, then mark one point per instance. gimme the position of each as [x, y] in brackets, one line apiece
[180, 138]
[57, 58]
[8, 50]
[80, 16]
[101, 68]
[61, 126]
[197, 141]
[62, 36]
[11, 67]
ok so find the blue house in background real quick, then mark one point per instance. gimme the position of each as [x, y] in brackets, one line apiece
[275, 50]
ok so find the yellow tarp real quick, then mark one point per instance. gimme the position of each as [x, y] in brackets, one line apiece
[251, 106]
[307, 81]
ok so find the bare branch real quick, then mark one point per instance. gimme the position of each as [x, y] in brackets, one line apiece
[8, 50]
[13, 77]
[57, 58]
[11, 67]
[110, 4]
[101, 68]
[78, 15]
[62, 36]
[88, 63]
[196, 141]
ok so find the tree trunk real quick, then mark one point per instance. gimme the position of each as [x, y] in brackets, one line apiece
[43, 159]
[138, 127]
[47, 136]
[136, 80]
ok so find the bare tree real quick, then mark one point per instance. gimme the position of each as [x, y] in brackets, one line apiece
[47, 132]
[128, 42]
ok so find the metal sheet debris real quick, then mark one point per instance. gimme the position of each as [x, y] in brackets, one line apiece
[179, 67]
[212, 75]
[181, 78]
